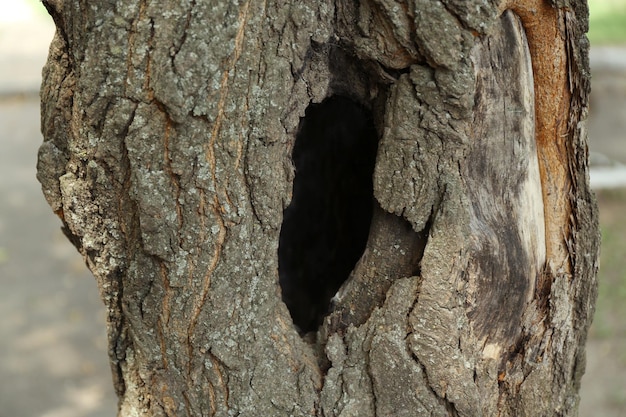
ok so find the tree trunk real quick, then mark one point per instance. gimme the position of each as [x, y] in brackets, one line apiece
[453, 277]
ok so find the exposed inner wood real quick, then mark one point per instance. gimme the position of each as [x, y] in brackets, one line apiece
[503, 179]
[546, 42]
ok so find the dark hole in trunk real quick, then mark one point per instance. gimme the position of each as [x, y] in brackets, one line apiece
[325, 227]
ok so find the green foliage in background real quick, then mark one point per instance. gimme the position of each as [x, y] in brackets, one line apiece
[607, 21]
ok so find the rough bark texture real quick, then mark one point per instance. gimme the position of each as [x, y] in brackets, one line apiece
[168, 136]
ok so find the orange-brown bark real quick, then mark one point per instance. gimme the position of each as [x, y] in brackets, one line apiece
[546, 41]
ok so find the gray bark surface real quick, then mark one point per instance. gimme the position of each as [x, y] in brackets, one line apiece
[168, 135]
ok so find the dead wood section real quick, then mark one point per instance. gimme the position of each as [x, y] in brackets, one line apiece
[544, 26]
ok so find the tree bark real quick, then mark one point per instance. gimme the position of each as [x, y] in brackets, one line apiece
[168, 138]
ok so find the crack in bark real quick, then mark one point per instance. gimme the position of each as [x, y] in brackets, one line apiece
[117, 326]
[450, 407]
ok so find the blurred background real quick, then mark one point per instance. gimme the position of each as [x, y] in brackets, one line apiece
[53, 360]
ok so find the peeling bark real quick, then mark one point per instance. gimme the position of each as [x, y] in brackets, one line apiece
[167, 154]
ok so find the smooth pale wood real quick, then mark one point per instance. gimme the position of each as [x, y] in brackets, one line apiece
[508, 249]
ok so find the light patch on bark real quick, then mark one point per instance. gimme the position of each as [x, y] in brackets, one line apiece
[507, 214]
